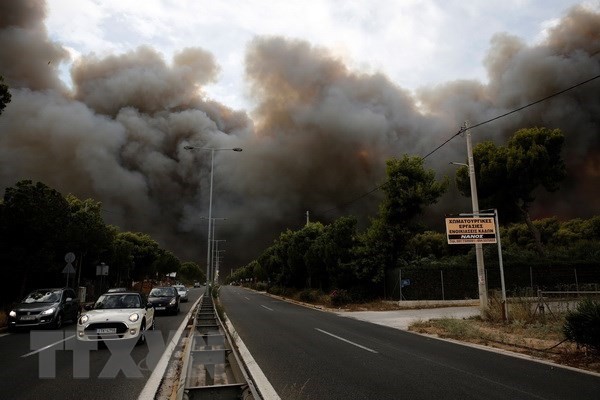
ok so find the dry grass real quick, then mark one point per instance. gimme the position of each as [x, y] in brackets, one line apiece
[543, 340]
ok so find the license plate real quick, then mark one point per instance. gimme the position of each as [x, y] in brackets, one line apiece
[27, 317]
[161, 308]
[106, 330]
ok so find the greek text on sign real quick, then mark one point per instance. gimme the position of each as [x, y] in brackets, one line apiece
[470, 230]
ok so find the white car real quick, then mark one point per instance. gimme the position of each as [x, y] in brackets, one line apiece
[117, 316]
[183, 292]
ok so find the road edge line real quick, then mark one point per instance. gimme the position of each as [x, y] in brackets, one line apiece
[264, 386]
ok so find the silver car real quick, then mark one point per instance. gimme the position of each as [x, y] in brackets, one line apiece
[183, 292]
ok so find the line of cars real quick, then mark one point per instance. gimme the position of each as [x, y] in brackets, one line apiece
[117, 314]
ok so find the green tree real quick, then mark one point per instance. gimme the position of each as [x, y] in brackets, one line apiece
[409, 189]
[166, 262]
[302, 272]
[507, 177]
[33, 220]
[145, 252]
[191, 272]
[336, 246]
[5, 96]
[87, 236]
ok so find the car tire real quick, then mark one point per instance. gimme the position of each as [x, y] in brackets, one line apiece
[142, 338]
[58, 321]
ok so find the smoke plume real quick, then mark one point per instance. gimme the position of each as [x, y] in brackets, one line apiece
[317, 139]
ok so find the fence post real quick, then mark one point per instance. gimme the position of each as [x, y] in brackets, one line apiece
[576, 281]
[531, 277]
[442, 277]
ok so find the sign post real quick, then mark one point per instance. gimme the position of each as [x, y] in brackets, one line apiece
[68, 269]
[474, 228]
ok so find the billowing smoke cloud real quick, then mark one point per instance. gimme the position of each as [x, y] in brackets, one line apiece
[317, 139]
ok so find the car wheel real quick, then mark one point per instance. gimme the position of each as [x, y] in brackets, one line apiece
[142, 338]
[58, 321]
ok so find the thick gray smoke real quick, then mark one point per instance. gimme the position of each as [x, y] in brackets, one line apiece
[318, 138]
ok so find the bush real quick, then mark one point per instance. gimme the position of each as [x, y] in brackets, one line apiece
[583, 325]
[309, 295]
[340, 297]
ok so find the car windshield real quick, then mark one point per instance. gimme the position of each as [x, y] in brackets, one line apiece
[161, 292]
[43, 296]
[108, 301]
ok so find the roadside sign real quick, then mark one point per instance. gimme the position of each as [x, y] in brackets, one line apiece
[102, 269]
[69, 257]
[68, 269]
[470, 230]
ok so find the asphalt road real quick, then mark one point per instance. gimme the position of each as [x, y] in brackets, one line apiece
[23, 375]
[311, 354]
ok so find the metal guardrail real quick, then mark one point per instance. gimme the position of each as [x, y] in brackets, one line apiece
[211, 365]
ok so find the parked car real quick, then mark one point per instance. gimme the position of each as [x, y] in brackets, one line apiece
[164, 299]
[183, 292]
[117, 316]
[45, 308]
[196, 284]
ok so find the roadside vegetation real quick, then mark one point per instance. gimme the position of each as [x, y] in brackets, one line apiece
[39, 225]
[548, 337]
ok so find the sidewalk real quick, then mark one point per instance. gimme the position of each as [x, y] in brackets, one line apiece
[401, 319]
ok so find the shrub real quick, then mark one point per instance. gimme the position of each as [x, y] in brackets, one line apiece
[340, 297]
[583, 324]
[309, 295]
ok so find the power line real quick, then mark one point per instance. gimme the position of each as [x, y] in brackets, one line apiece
[462, 129]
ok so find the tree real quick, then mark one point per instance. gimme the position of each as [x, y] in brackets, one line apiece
[337, 244]
[409, 189]
[166, 262]
[145, 252]
[5, 96]
[507, 177]
[191, 271]
[299, 245]
[88, 236]
[33, 220]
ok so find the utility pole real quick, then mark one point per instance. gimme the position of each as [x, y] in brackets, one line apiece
[307, 218]
[483, 298]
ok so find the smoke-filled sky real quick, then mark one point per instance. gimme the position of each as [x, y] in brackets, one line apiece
[318, 94]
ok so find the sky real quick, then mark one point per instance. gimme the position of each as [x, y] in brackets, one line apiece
[106, 95]
[414, 42]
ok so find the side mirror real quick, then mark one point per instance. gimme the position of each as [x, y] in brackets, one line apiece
[88, 307]
[149, 306]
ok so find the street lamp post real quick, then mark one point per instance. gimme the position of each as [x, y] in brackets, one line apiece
[212, 160]
[483, 298]
[215, 261]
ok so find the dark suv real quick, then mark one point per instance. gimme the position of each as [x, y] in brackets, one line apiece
[45, 308]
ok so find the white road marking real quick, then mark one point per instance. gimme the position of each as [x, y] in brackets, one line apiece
[270, 309]
[347, 341]
[246, 298]
[47, 347]
[4, 334]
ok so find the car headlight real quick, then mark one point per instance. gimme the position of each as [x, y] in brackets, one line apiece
[173, 301]
[134, 317]
[83, 319]
[49, 311]
[12, 313]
